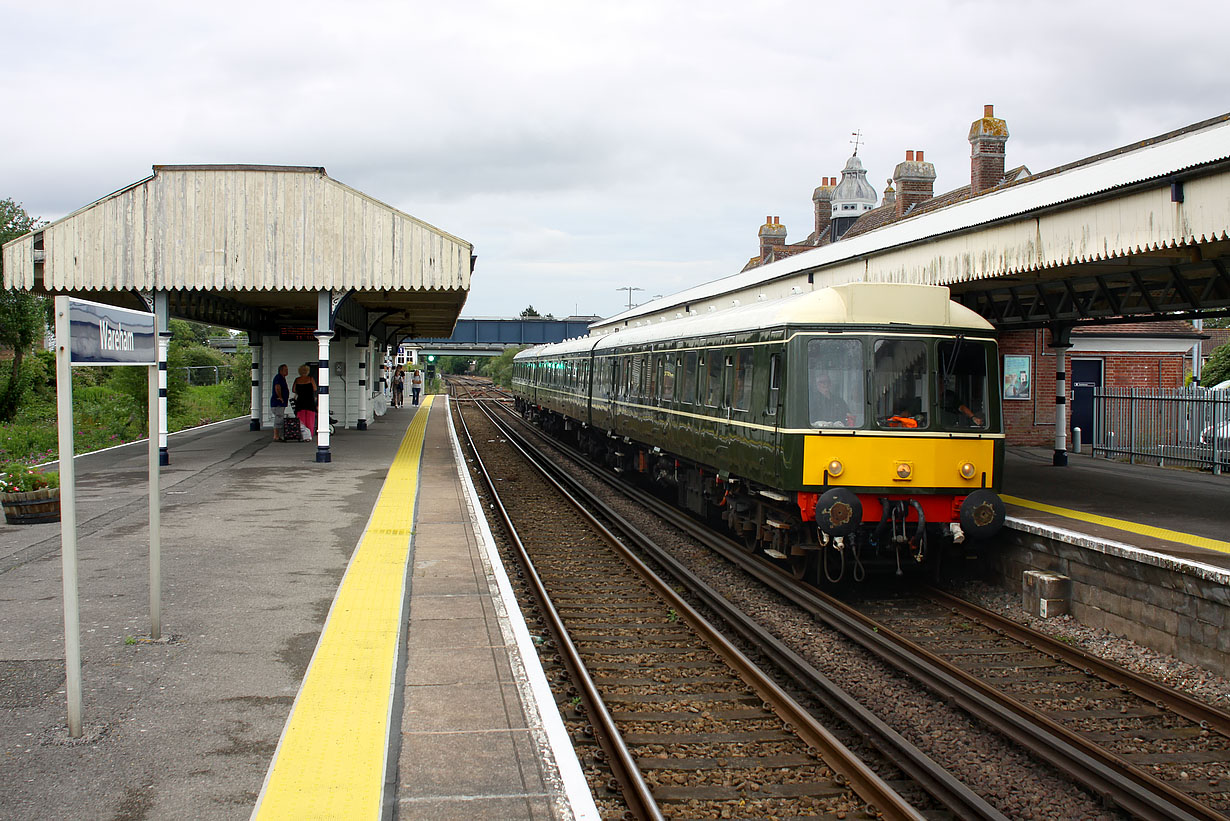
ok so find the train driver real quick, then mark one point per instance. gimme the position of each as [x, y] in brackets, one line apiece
[827, 408]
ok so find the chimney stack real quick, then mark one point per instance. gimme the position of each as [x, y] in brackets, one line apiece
[914, 180]
[890, 194]
[822, 199]
[772, 234]
[986, 140]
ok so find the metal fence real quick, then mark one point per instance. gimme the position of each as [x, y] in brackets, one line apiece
[1183, 427]
[206, 374]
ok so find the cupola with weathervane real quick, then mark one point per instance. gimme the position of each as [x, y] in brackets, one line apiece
[852, 197]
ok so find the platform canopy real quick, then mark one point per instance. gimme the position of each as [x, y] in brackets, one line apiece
[252, 247]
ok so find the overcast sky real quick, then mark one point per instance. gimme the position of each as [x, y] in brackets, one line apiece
[585, 147]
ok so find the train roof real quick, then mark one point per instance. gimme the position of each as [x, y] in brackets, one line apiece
[864, 304]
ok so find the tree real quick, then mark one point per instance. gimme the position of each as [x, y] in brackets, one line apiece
[499, 368]
[23, 316]
[1217, 369]
[530, 313]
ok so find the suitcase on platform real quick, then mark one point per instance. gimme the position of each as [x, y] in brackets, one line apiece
[292, 431]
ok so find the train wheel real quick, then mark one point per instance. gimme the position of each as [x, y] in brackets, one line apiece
[802, 565]
[751, 539]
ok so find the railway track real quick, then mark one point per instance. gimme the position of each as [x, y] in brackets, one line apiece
[1172, 738]
[1155, 753]
[689, 726]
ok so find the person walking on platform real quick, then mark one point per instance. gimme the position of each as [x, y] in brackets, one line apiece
[416, 385]
[279, 400]
[305, 401]
[399, 386]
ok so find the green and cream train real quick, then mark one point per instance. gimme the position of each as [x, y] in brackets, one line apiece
[844, 431]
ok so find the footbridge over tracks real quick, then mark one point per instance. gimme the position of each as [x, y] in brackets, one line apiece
[491, 337]
[320, 275]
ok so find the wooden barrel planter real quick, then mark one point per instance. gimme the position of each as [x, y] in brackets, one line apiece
[33, 507]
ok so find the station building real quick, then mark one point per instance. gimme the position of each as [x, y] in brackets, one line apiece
[1146, 355]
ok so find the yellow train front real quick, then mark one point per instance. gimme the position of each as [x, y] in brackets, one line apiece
[847, 431]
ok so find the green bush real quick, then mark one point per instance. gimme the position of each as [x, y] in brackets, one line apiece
[18, 478]
[1217, 369]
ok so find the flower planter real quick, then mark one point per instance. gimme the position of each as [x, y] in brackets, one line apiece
[33, 507]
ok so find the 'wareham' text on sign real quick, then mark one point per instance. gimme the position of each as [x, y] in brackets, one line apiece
[106, 335]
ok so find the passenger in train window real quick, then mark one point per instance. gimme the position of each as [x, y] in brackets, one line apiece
[279, 400]
[827, 408]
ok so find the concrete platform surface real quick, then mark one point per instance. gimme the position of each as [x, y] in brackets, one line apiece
[255, 538]
[1182, 513]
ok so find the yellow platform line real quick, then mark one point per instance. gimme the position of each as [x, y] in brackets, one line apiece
[1123, 524]
[330, 762]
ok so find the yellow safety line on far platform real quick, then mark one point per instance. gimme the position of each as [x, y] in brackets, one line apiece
[330, 762]
[1123, 524]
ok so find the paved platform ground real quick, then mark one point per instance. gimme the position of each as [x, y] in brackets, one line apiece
[256, 538]
[1182, 513]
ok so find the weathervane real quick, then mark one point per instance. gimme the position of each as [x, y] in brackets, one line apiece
[858, 138]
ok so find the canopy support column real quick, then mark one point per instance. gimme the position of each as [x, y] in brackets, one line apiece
[255, 347]
[363, 354]
[161, 320]
[324, 333]
[1061, 340]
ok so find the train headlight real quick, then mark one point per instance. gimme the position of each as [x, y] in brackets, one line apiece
[967, 470]
[836, 467]
[905, 470]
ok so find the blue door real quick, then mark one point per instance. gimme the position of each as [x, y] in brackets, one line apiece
[1086, 378]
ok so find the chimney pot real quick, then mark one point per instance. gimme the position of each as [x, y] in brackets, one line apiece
[919, 156]
[768, 220]
[988, 110]
[909, 156]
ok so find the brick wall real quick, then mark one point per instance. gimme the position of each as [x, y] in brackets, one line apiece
[1032, 421]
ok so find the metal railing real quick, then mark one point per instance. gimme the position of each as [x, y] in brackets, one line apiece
[1181, 427]
[206, 374]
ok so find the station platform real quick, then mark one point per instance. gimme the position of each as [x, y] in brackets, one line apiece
[1182, 514]
[340, 641]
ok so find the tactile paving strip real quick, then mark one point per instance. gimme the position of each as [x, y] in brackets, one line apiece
[330, 761]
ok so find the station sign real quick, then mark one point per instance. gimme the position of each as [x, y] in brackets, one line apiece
[106, 335]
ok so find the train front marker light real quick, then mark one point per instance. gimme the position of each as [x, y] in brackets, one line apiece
[967, 470]
[905, 471]
[836, 467]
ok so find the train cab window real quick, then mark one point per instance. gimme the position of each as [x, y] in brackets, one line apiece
[740, 389]
[669, 365]
[713, 379]
[900, 384]
[775, 364]
[835, 383]
[690, 365]
[962, 385]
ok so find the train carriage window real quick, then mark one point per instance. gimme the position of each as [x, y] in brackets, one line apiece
[654, 379]
[741, 394]
[690, 364]
[713, 379]
[669, 365]
[775, 365]
[962, 385]
[835, 383]
[900, 383]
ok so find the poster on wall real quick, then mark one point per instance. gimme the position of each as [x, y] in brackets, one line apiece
[1016, 377]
